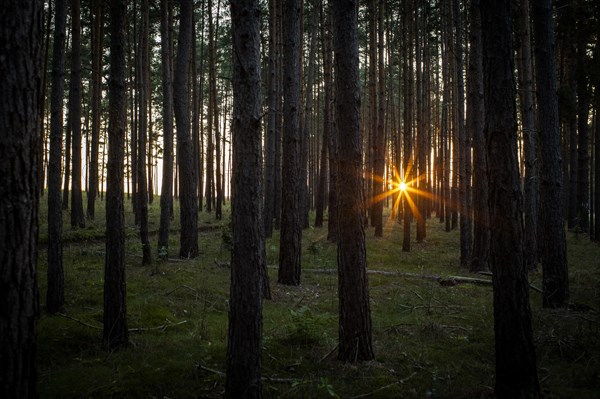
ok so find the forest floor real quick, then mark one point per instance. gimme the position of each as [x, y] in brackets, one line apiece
[430, 340]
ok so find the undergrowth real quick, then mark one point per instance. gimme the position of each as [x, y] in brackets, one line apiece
[431, 341]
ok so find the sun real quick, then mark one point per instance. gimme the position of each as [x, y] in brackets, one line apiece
[402, 186]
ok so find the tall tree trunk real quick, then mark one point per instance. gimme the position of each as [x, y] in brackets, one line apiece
[475, 123]
[166, 195]
[187, 180]
[329, 126]
[531, 188]
[115, 331]
[552, 233]
[355, 341]
[21, 44]
[77, 217]
[143, 89]
[379, 155]
[408, 126]
[464, 143]
[323, 170]
[55, 296]
[97, 51]
[270, 143]
[516, 373]
[372, 184]
[248, 253]
[215, 116]
[583, 156]
[291, 205]
[210, 149]
[67, 161]
[420, 154]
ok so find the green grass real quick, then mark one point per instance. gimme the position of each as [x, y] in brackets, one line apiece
[430, 340]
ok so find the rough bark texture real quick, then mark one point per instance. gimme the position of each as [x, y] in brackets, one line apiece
[323, 166]
[531, 186]
[55, 296]
[354, 309]
[475, 123]
[115, 331]
[20, 85]
[187, 181]
[248, 251]
[166, 194]
[552, 234]
[516, 373]
[77, 217]
[291, 204]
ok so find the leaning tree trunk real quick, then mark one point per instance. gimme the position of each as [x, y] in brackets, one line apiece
[115, 331]
[248, 252]
[552, 233]
[77, 217]
[188, 199]
[55, 296]
[516, 373]
[20, 85]
[354, 310]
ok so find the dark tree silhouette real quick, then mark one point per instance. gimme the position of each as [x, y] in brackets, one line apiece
[20, 85]
[115, 331]
[248, 252]
[188, 199]
[292, 203]
[77, 217]
[166, 195]
[516, 373]
[55, 296]
[355, 313]
[552, 233]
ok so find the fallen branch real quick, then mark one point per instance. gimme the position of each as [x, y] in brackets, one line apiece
[79, 321]
[182, 286]
[270, 379]
[163, 327]
[328, 354]
[402, 381]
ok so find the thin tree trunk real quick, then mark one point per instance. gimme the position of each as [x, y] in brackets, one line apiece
[166, 195]
[77, 217]
[187, 180]
[55, 296]
[115, 332]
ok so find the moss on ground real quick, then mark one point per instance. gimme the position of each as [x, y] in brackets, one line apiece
[430, 340]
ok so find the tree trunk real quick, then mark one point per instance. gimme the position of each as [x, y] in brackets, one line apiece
[291, 206]
[21, 44]
[354, 309]
[323, 170]
[97, 51]
[55, 296]
[143, 89]
[583, 156]
[248, 252]
[516, 373]
[531, 186]
[373, 182]
[166, 195]
[464, 144]
[552, 233]
[67, 174]
[187, 180]
[77, 217]
[210, 149]
[115, 331]
[475, 123]
[329, 126]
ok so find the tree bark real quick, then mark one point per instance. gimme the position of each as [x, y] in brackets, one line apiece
[187, 180]
[552, 233]
[475, 123]
[291, 205]
[77, 217]
[166, 195]
[115, 332]
[248, 252]
[516, 373]
[21, 41]
[55, 295]
[355, 341]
